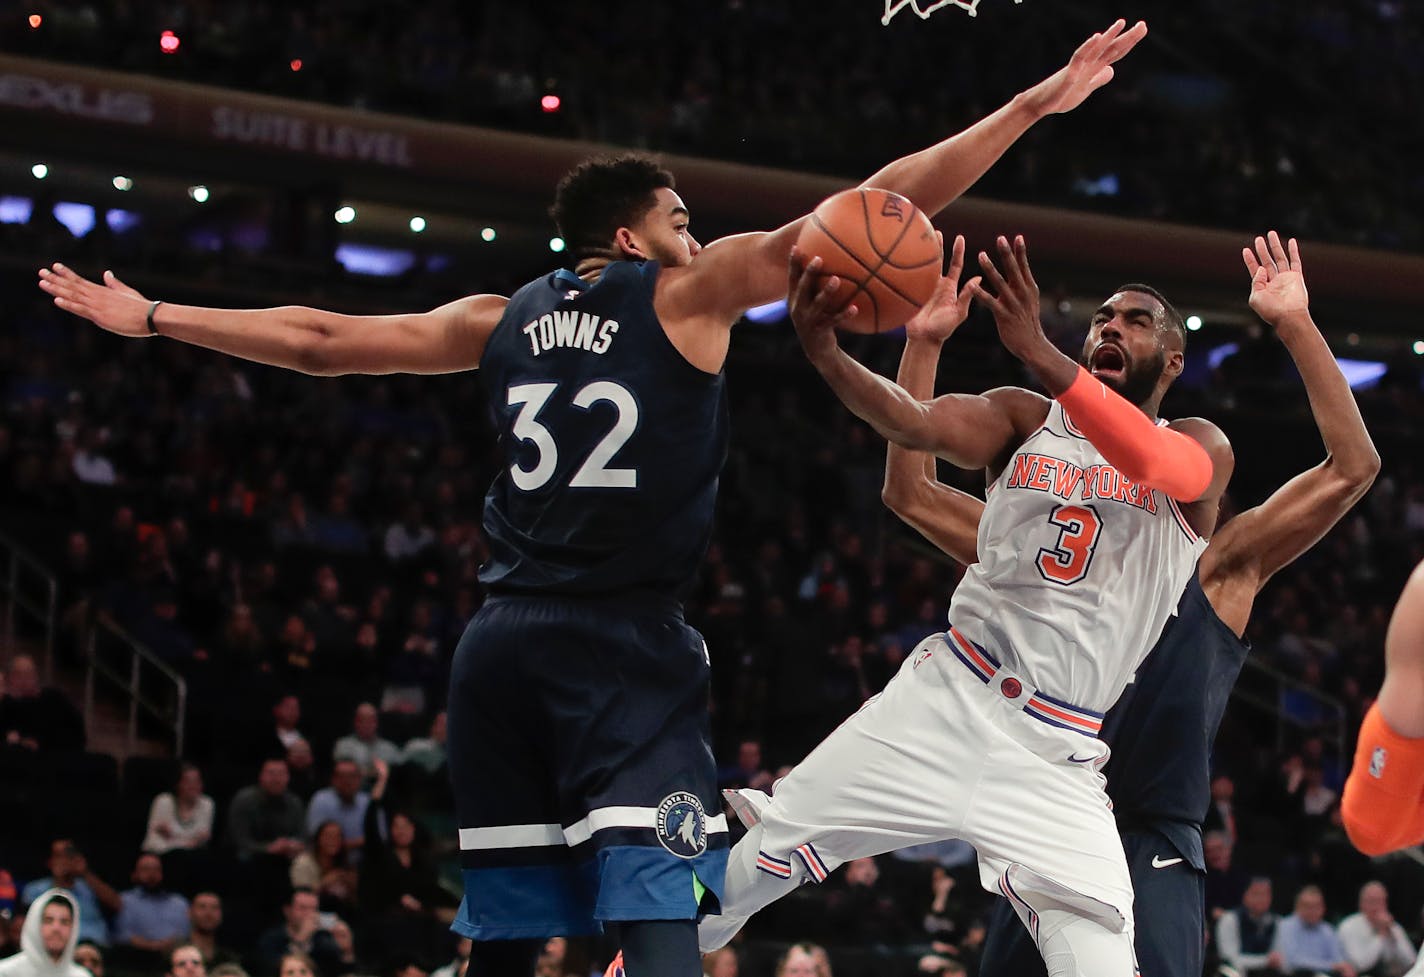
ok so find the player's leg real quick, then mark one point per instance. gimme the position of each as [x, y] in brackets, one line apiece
[638, 781]
[498, 958]
[897, 773]
[1009, 949]
[1047, 840]
[1383, 802]
[522, 883]
[1169, 906]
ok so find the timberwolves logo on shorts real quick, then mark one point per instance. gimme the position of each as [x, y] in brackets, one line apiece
[682, 825]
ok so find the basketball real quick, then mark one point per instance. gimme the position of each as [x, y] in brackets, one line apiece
[884, 250]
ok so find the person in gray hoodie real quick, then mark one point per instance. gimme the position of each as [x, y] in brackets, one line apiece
[47, 941]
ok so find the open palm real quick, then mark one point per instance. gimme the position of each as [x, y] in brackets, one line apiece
[1277, 278]
[1089, 69]
[948, 307]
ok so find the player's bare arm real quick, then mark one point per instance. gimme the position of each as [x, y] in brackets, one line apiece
[971, 430]
[945, 516]
[1401, 698]
[1190, 460]
[735, 273]
[445, 340]
[1258, 542]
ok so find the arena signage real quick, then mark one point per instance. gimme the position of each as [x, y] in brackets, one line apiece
[76, 98]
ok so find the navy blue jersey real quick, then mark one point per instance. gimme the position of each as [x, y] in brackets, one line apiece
[612, 441]
[1162, 728]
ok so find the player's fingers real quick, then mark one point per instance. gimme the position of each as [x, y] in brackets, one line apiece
[991, 274]
[956, 259]
[1252, 265]
[1295, 256]
[977, 289]
[1021, 255]
[1278, 251]
[967, 293]
[1126, 41]
[1264, 253]
[798, 289]
[1009, 259]
[1260, 276]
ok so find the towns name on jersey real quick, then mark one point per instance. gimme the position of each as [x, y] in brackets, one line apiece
[1044, 473]
[580, 330]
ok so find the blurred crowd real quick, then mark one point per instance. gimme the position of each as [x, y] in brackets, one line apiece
[1294, 111]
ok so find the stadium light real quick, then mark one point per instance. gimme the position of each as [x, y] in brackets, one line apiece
[487, 234]
[123, 183]
[168, 42]
[345, 215]
[550, 103]
[556, 244]
[35, 21]
[1418, 347]
[199, 193]
[417, 224]
[295, 64]
[39, 171]
[1194, 322]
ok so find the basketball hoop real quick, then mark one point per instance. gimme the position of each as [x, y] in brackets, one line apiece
[893, 7]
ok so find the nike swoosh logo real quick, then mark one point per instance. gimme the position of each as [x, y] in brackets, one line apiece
[1159, 862]
[1075, 758]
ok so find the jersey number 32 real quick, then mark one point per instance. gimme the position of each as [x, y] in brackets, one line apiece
[530, 398]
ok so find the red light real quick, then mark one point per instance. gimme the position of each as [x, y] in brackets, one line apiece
[550, 103]
[168, 42]
[35, 21]
[296, 64]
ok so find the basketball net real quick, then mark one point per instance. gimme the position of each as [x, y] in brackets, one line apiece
[893, 7]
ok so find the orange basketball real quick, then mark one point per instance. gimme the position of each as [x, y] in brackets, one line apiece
[884, 250]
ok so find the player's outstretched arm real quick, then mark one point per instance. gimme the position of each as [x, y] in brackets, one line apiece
[1190, 461]
[1260, 541]
[945, 516]
[734, 273]
[972, 431]
[444, 340]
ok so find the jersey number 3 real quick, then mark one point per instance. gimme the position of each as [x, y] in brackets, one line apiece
[530, 398]
[1078, 531]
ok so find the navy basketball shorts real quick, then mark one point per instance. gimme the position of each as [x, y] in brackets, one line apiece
[585, 785]
[1169, 898]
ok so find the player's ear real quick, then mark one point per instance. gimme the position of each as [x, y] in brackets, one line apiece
[1176, 361]
[624, 243]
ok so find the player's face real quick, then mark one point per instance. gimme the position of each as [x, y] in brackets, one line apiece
[1127, 345]
[662, 233]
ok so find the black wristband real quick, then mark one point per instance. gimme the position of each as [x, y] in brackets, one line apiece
[152, 309]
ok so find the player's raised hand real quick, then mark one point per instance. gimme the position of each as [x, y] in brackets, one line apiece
[1090, 68]
[812, 301]
[112, 306]
[948, 307]
[1015, 299]
[1277, 279]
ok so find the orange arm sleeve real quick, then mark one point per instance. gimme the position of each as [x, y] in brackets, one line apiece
[1146, 453]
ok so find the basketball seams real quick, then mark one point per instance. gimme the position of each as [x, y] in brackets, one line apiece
[872, 271]
[884, 256]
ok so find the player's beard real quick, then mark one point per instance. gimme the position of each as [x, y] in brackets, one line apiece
[1139, 380]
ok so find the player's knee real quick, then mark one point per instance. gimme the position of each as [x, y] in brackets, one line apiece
[1075, 946]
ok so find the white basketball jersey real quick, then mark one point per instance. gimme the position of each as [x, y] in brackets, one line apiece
[1078, 568]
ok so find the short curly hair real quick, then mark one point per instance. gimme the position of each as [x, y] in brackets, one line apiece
[602, 194]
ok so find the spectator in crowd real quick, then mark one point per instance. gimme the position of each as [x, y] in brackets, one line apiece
[205, 919]
[299, 965]
[69, 870]
[862, 911]
[1246, 936]
[186, 960]
[266, 818]
[427, 752]
[748, 771]
[1373, 942]
[344, 802]
[398, 874]
[150, 918]
[1221, 815]
[36, 718]
[182, 818]
[1225, 881]
[1306, 941]
[456, 967]
[804, 960]
[406, 967]
[721, 963]
[47, 943]
[363, 746]
[90, 956]
[301, 770]
[410, 538]
[300, 933]
[345, 940]
[286, 715]
[325, 867]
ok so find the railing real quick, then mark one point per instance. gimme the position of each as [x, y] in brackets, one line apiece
[150, 687]
[31, 589]
[1262, 687]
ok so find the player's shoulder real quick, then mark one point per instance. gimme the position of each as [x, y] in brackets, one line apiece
[1026, 409]
[1202, 430]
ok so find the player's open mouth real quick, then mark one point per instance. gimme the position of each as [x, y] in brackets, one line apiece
[1108, 360]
